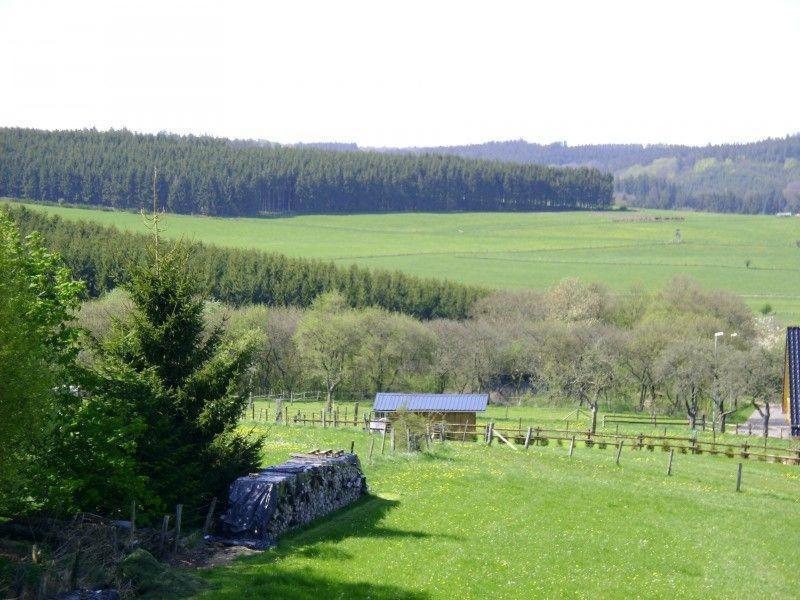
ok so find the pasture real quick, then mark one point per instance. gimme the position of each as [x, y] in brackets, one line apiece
[471, 521]
[754, 256]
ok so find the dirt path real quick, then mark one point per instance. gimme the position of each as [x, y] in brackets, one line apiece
[778, 426]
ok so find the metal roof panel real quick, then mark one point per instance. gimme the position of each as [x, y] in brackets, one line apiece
[391, 401]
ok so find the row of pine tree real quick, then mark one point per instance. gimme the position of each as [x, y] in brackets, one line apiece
[103, 258]
[214, 176]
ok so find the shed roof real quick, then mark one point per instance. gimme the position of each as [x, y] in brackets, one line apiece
[391, 401]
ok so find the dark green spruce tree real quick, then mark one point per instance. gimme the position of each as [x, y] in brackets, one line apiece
[180, 379]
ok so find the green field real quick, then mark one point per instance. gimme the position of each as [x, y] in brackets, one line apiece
[527, 250]
[470, 521]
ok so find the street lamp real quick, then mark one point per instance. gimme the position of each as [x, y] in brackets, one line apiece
[715, 385]
[715, 389]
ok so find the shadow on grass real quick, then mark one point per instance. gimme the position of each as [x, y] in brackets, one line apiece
[266, 576]
[302, 584]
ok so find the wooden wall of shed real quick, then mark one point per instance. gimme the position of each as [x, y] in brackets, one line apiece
[453, 418]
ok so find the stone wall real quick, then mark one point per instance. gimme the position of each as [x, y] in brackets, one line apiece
[263, 505]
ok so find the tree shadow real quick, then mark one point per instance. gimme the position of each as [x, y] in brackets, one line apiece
[303, 584]
[267, 576]
[360, 519]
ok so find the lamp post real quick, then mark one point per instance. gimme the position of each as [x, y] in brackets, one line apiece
[715, 386]
[717, 336]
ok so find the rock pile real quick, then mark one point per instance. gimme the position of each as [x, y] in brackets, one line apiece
[263, 505]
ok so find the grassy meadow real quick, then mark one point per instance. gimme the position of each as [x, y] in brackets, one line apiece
[470, 521]
[755, 256]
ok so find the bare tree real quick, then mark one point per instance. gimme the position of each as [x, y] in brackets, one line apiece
[732, 381]
[327, 337]
[391, 345]
[579, 362]
[686, 368]
[764, 381]
[638, 353]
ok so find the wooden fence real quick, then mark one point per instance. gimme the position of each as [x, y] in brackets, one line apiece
[654, 420]
[542, 436]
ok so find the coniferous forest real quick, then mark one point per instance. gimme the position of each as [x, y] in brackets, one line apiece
[103, 258]
[750, 178]
[214, 176]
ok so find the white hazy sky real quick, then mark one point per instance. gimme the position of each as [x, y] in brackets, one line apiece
[406, 73]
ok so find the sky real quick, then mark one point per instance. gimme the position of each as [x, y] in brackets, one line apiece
[407, 73]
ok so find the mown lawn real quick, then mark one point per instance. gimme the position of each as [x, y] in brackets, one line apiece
[526, 250]
[471, 521]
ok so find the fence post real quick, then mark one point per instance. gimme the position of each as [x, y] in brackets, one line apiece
[355, 414]
[391, 438]
[210, 515]
[371, 445]
[383, 440]
[571, 446]
[528, 438]
[619, 450]
[352, 446]
[739, 478]
[133, 519]
[178, 517]
[669, 465]
[490, 433]
[464, 437]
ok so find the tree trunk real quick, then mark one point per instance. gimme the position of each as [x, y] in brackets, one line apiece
[329, 398]
[765, 414]
[593, 427]
[723, 419]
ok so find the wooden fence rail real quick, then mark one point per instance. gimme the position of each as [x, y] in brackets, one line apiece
[541, 436]
[654, 420]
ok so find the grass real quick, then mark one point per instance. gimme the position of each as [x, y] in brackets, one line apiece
[527, 250]
[471, 521]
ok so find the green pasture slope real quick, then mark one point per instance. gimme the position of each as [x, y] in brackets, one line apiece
[470, 521]
[527, 250]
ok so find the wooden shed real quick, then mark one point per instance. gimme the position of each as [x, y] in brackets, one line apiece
[791, 380]
[454, 409]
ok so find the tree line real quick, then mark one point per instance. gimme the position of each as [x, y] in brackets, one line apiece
[215, 176]
[575, 343]
[616, 157]
[102, 257]
[757, 177]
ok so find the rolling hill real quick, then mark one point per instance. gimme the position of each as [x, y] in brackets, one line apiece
[755, 256]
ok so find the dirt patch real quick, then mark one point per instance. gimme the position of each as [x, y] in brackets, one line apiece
[208, 555]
